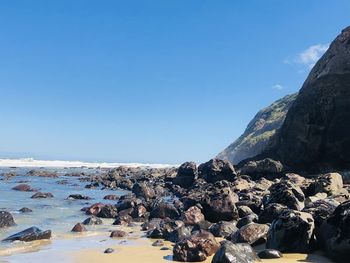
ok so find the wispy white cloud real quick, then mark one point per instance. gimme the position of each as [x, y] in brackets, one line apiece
[309, 56]
[278, 87]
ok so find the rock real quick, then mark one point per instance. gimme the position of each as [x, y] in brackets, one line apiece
[25, 210]
[186, 174]
[23, 188]
[253, 234]
[141, 190]
[271, 212]
[247, 220]
[267, 167]
[79, 228]
[93, 220]
[108, 211]
[165, 210]
[270, 254]
[219, 205]
[287, 194]
[109, 250]
[6, 219]
[78, 197]
[235, 253]
[118, 233]
[320, 211]
[315, 133]
[223, 229]
[335, 233]
[30, 234]
[192, 216]
[158, 243]
[331, 184]
[111, 197]
[123, 219]
[292, 232]
[197, 247]
[243, 211]
[314, 198]
[217, 170]
[139, 212]
[94, 209]
[42, 195]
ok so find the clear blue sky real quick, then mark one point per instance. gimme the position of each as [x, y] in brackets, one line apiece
[150, 81]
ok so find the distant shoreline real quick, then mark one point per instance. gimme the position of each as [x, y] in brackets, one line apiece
[31, 162]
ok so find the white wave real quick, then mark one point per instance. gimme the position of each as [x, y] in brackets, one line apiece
[30, 162]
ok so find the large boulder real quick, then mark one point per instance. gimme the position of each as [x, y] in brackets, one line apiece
[220, 205]
[223, 229]
[186, 174]
[192, 216]
[335, 233]
[331, 184]
[267, 167]
[217, 170]
[292, 232]
[315, 133]
[235, 253]
[6, 219]
[141, 190]
[30, 234]
[165, 210]
[271, 212]
[288, 194]
[253, 234]
[197, 247]
[108, 211]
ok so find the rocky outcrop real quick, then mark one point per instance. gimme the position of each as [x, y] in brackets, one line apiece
[315, 134]
[30, 234]
[186, 174]
[259, 131]
[6, 219]
[240, 253]
[291, 232]
[197, 247]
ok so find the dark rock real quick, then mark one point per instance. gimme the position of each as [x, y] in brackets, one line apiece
[78, 197]
[93, 220]
[42, 195]
[141, 190]
[320, 211]
[23, 188]
[192, 216]
[94, 209]
[247, 220]
[111, 197]
[271, 212]
[243, 211]
[30, 234]
[165, 210]
[335, 233]
[123, 219]
[186, 175]
[253, 234]
[79, 228]
[292, 232]
[331, 184]
[219, 205]
[158, 243]
[118, 233]
[267, 167]
[217, 170]
[139, 212]
[270, 254]
[235, 253]
[6, 219]
[109, 250]
[108, 211]
[287, 194]
[25, 210]
[223, 229]
[197, 247]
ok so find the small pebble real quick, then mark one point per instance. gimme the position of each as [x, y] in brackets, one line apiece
[158, 243]
[109, 250]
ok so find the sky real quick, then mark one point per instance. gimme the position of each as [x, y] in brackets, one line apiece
[150, 81]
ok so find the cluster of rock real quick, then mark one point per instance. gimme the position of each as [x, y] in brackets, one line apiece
[256, 204]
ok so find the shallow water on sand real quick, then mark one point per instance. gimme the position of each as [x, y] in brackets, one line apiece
[60, 215]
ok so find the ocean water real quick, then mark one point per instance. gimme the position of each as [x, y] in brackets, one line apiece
[57, 214]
